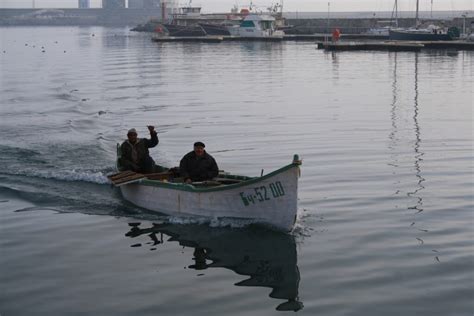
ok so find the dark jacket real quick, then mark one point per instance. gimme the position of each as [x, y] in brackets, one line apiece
[144, 163]
[198, 168]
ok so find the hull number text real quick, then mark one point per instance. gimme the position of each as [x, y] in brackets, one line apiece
[262, 193]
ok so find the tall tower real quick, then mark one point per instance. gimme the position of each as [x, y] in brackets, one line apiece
[84, 4]
[113, 4]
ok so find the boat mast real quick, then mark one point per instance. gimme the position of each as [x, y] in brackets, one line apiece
[396, 13]
[329, 10]
[417, 10]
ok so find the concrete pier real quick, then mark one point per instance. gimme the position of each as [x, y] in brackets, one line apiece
[382, 46]
[302, 37]
[395, 45]
[201, 39]
[365, 43]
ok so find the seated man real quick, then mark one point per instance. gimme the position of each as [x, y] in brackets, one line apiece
[198, 165]
[135, 155]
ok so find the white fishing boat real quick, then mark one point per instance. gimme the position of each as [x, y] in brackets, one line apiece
[261, 26]
[270, 198]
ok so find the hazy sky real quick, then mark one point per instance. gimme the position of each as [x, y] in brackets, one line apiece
[289, 5]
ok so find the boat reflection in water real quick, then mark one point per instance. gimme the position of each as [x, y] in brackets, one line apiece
[268, 257]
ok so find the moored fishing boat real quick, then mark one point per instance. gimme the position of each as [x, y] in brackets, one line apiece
[257, 26]
[270, 198]
[216, 29]
[183, 30]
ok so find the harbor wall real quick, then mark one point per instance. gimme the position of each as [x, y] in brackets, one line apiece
[132, 17]
[360, 25]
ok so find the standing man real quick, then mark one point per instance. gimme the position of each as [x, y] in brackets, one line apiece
[198, 165]
[135, 154]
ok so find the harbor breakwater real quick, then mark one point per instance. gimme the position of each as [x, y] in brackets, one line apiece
[133, 17]
[360, 25]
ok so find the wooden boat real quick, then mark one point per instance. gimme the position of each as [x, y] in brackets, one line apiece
[269, 199]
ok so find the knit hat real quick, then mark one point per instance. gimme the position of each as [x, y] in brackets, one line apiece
[132, 131]
[199, 144]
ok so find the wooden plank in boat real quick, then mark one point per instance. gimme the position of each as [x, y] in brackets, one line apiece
[125, 178]
[159, 175]
[120, 175]
[128, 180]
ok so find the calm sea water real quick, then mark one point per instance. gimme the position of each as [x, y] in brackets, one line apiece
[386, 192]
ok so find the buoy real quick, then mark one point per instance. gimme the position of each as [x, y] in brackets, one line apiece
[336, 34]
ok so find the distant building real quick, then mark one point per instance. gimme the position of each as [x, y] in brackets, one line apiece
[84, 4]
[135, 4]
[147, 4]
[113, 4]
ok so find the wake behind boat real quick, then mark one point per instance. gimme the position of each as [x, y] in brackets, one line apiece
[269, 199]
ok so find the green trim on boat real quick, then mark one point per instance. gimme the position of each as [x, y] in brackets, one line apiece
[191, 188]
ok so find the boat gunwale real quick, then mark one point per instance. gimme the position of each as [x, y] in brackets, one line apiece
[191, 188]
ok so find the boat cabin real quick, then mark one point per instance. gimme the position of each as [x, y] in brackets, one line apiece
[258, 25]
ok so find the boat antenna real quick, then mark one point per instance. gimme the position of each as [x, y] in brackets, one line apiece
[431, 8]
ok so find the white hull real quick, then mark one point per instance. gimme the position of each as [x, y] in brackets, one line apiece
[252, 32]
[257, 26]
[269, 199]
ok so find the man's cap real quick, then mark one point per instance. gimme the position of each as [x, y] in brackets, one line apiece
[132, 131]
[199, 144]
